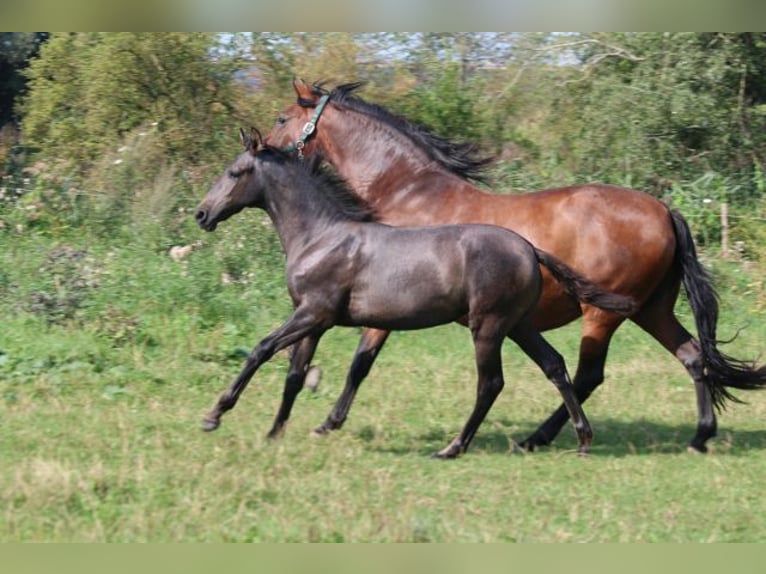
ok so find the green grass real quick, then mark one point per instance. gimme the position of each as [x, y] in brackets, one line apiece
[100, 420]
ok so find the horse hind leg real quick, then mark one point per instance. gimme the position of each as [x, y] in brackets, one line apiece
[370, 344]
[690, 356]
[303, 352]
[663, 325]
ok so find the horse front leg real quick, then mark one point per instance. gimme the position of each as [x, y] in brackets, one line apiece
[303, 352]
[370, 344]
[302, 323]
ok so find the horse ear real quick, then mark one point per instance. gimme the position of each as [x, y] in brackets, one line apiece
[251, 142]
[256, 139]
[304, 91]
[245, 139]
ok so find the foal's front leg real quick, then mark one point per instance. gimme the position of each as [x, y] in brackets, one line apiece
[302, 323]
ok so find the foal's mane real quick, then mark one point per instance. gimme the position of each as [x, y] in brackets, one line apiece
[329, 196]
[459, 158]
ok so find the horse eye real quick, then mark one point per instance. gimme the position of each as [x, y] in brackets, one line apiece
[237, 173]
[281, 120]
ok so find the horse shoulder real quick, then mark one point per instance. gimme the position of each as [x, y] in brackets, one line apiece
[329, 259]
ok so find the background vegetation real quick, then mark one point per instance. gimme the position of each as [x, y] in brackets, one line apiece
[111, 349]
[680, 115]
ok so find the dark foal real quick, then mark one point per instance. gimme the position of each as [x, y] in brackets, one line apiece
[344, 269]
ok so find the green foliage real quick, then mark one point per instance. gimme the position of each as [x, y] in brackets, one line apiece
[67, 276]
[126, 130]
[748, 233]
[700, 201]
[134, 185]
[446, 105]
[101, 417]
[89, 89]
[16, 49]
[659, 112]
[664, 107]
[40, 201]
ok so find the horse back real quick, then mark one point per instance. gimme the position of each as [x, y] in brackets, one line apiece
[412, 278]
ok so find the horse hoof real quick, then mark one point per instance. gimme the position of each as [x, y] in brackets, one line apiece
[443, 456]
[313, 376]
[534, 442]
[209, 425]
[519, 448]
[318, 432]
[525, 446]
[696, 449]
[448, 453]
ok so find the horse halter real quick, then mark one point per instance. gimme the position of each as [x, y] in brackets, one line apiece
[308, 129]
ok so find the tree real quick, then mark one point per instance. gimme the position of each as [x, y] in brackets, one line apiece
[16, 50]
[88, 90]
[656, 108]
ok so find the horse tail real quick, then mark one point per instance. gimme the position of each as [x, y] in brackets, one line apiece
[721, 370]
[583, 289]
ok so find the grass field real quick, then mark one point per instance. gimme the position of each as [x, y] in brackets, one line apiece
[110, 356]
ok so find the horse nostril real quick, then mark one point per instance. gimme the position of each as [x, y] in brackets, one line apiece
[200, 216]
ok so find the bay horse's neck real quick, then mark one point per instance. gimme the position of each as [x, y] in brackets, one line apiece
[379, 162]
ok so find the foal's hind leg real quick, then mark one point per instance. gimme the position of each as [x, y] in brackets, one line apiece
[552, 364]
[370, 344]
[488, 341]
[597, 329]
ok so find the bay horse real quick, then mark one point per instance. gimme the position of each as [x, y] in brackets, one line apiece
[343, 268]
[622, 239]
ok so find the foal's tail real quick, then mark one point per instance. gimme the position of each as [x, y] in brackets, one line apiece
[584, 290]
[721, 370]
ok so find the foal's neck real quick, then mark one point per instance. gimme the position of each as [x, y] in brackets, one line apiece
[298, 217]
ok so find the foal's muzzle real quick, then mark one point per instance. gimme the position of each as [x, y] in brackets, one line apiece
[203, 220]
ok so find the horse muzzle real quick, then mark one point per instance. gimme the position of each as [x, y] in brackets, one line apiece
[204, 220]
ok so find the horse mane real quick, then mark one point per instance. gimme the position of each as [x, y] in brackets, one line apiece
[459, 158]
[332, 197]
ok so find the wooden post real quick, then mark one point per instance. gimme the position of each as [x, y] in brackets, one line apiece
[724, 230]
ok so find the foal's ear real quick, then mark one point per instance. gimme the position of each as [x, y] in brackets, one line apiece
[251, 142]
[245, 139]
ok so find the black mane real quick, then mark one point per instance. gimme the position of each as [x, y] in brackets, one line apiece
[459, 158]
[330, 195]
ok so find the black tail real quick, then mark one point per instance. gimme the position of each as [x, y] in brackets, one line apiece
[584, 290]
[721, 370]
